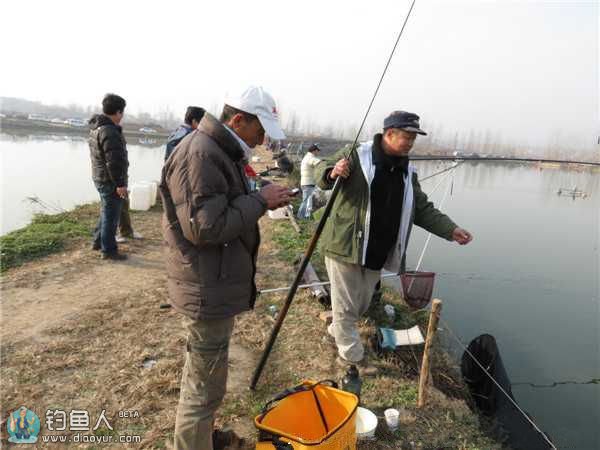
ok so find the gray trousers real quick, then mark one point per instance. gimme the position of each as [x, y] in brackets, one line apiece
[352, 288]
[203, 383]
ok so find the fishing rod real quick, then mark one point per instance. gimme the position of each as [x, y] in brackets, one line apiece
[317, 234]
[501, 159]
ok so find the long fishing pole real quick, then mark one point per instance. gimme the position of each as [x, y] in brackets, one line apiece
[317, 234]
[501, 159]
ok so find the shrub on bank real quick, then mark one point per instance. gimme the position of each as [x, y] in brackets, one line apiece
[47, 233]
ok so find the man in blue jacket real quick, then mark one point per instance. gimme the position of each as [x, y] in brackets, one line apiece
[193, 116]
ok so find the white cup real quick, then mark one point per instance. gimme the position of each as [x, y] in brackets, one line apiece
[391, 418]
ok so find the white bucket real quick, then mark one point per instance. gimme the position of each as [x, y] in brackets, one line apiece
[153, 190]
[140, 197]
[366, 423]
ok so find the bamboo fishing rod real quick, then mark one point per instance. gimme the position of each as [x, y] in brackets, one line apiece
[317, 234]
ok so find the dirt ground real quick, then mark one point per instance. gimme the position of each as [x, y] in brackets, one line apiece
[79, 333]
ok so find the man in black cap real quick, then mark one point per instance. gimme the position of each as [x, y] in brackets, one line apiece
[370, 224]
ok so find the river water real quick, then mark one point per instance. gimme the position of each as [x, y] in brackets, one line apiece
[531, 277]
[57, 170]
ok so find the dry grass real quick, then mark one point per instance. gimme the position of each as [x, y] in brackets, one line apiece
[92, 358]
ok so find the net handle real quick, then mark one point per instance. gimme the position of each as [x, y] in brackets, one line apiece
[295, 390]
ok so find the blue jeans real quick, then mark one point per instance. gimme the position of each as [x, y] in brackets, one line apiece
[306, 206]
[110, 209]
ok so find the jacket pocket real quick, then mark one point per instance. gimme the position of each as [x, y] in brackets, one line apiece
[235, 263]
[186, 220]
[342, 235]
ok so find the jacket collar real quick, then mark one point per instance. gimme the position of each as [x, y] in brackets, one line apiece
[102, 120]
[210, 126]
[387, 161]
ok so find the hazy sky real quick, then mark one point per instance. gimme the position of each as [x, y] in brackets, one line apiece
[525, 69]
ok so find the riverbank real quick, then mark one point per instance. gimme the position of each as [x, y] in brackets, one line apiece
[25, 126]
[81, 333]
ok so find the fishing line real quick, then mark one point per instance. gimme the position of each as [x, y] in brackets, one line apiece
[440, 172]
[440, 207]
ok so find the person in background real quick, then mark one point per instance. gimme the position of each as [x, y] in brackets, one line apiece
[307, 181]
[210, 227]
[108, 153]
[193, 116]
[126, 231]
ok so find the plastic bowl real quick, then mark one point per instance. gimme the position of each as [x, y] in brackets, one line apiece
[366, 423]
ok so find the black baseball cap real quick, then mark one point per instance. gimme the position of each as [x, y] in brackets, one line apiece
[403, 120]
[314, 147]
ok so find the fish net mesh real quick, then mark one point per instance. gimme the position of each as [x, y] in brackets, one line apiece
[417, 288]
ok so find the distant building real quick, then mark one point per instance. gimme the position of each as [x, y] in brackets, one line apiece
[39, 117]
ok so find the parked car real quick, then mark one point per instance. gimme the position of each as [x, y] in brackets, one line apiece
[40, 117]
[75, 122]
[147, 130]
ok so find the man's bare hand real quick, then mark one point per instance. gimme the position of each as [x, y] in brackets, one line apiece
[276, 196]
[461, 236]
[341, 168]
[122, 191]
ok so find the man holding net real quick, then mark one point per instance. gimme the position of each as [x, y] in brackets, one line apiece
[370, 224]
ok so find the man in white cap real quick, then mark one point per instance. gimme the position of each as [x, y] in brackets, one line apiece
[210, 227]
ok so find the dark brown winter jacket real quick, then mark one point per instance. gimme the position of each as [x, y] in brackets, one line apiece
[210, 225]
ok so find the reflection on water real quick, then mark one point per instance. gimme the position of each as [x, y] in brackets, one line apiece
[57, 170]
[530, 277]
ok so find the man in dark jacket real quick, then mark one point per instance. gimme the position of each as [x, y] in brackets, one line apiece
[108, 152]
[193, 116]
[211, 232]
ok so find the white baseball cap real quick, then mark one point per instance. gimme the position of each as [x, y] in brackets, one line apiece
[255, 100]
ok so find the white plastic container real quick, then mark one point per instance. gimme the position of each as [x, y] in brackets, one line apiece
[154, 192]
[278, 214]
[140, 197]
[366, 423]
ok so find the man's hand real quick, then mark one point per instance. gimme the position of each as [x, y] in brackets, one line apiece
[122, 191]
[461, 236]
[276, 196]
[341, 168]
